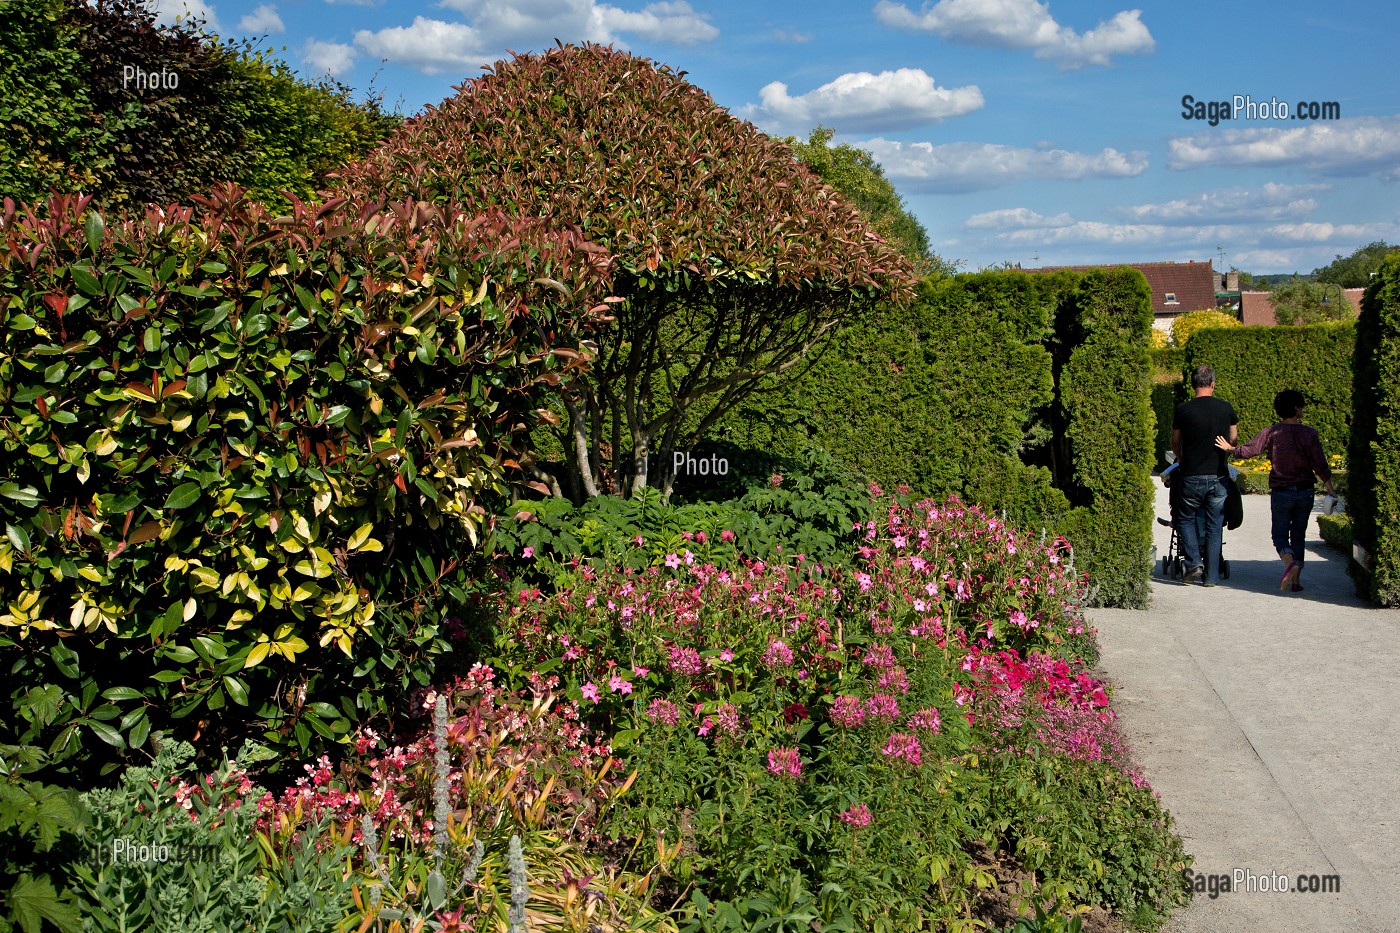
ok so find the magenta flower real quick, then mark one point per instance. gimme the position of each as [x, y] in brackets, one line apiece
[664, 712]
[882, 706]
[902, 746]
[864, 580]
[618, 685]
[726, 535]
[848, 712]
[727, 718]
[778, 654]
[673, 561]
[726, 655]
[784, 761]
[926, 719]
[590, 691]
[859, 815]
[528, 552]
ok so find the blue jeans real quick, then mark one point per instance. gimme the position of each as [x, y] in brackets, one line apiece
[1202, 496]
[1291, 508]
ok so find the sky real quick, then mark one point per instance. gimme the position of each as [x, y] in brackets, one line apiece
[1016, 131]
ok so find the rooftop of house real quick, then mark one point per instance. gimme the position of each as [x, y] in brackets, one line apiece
[1177, 287]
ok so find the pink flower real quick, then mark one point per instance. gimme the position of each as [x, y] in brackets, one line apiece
[685, 662]
[926, 719]
[590, 691]
[847, 711]
[673, 561]
[727, 718]
[879, 656]
[618, 685]
[902, 746]
[864, 580]
[784, 761]
[528, 552]
[859, 815]
[640, 671]
[664, 712]
[882, 706]
[726, 535]
[701, 537]
[726, 655]
[778, 654]
[639, 540]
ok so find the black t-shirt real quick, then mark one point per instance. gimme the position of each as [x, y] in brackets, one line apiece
[1200, 421]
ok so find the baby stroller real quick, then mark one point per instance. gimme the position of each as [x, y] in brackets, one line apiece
[1174, 563]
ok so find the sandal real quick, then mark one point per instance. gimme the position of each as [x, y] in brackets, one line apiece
[1290, 576]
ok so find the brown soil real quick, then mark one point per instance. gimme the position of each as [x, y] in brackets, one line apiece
[1004, 903]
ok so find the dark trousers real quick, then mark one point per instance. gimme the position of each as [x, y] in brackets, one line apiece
[1202, 496]
[1291, 508]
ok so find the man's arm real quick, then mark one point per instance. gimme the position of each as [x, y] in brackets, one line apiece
[1176, 443]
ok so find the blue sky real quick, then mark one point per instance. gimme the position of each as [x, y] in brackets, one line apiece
[1016, 130]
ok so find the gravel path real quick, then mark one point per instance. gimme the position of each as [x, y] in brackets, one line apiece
[1270, 724]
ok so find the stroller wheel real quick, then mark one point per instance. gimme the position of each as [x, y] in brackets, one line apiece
[1224, 569]
[1167, 567]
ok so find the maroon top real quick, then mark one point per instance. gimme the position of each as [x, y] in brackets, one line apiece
[1295, 451]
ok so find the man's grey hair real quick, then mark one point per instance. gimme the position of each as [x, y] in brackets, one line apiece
[1202, 376]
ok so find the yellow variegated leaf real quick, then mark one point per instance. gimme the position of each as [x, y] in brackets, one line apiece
[359, 537]
[257, 655]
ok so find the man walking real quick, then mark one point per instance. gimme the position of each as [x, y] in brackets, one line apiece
[1194, 429]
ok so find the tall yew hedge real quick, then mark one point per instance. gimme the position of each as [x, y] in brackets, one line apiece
[1253, 364]
[1373, 456]
[1023, 393]
[242, 458]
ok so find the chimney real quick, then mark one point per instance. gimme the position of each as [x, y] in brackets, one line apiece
[1232, 281]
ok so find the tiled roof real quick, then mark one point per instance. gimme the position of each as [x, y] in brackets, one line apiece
[1176, 286]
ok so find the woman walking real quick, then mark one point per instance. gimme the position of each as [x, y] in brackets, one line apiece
[1295, 451]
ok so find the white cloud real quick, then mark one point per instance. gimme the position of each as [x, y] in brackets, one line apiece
[353, 2]
[863, 102]
[660, 22]
[496, 26]
[1015, 218]
[169, 11]
[328, 58]
[962, 167]
[792, 35]
[1323, 232]
[1356, 146]
[262, 20]
[1271, 202]
[1023, 24]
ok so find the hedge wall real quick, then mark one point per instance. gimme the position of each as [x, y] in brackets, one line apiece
[907, 397]
[240, 457]
[1105, 389]
[1373, 457]
[1252, 364]
[991, 386]
[1168, 391]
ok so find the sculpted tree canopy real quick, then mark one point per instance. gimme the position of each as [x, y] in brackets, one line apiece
[731, 259]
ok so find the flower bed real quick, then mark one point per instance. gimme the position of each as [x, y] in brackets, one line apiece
[838, 731]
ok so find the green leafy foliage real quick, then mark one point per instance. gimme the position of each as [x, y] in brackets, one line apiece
[1253, 364]
[1184, 325]
[39, 826]
[81, 113]
[855, 173]
[241, 458]
[1304, 302]
[1373, 454]
[809, 509]
[166, 854]
[1355, 270]
[733, 258]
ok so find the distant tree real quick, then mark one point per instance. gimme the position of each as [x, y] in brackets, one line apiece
[1354, 271]
[1302, 302]
[855, 173]
[1252, 283]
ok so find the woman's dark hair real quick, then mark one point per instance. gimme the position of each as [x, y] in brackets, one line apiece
[1288, 403]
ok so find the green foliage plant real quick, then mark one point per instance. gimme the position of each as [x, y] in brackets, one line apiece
[1355, 270]
[40, 827]
[1184, 325]
[1373, 454]
[241, 457]
[1303, 302]
[733, 259]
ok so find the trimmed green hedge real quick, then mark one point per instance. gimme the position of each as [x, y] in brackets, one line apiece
[1252, 364]
[1022, 393]
[1373, 458]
